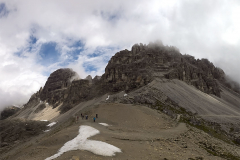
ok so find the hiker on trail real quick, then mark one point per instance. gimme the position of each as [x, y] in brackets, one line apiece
[96, 115]
[94, 119]
[82, 116]
[86, 117]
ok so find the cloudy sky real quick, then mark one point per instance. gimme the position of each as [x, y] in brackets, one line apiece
[40, 36]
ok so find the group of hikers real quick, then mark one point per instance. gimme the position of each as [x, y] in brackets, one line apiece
[86, 116]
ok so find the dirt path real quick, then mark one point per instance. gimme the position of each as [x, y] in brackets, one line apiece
[138, 135]
[140, 132]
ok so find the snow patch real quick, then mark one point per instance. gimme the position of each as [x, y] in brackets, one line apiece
[51, 124]
[108, 97]
[82, 143]
[46, 130]
[104, 124]
[125, 95]
[44, 120]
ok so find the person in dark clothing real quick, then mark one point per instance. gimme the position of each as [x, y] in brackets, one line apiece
[96, 115]
[82, 115]
[86, 117]
[94, 119]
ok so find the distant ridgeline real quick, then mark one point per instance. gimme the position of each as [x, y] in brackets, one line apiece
[128, 70]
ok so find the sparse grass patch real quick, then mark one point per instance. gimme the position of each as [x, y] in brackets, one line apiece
[192, 119]
[213, 129]
[215, 151]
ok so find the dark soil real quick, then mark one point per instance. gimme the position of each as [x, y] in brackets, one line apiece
[15, 131]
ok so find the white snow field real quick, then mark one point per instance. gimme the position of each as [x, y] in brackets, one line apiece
[51, 124]
[82, 143]
[104, 124]
[47, 130]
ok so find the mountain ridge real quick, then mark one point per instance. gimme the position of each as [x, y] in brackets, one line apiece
[129, 70]
[151, 91]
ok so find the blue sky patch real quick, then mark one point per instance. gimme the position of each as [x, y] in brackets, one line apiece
[32, 41]
[93, 55]
[104, 52]
[3, 10]
[89, 67]
[49, 54]
[18, 53]
[52, 53]
[78, 47]
[112, 17]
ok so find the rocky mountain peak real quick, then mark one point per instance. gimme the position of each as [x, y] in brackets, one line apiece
[59, 79]
[129, 70]
[55, 86]
[89, 78]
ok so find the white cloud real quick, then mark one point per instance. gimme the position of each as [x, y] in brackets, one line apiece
[20, 78]
[204, 29]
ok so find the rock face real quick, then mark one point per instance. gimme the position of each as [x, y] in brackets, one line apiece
[56, 85]
[129, 70]
[89, 78]
[132, 69]
[79, 90]
[200, 73]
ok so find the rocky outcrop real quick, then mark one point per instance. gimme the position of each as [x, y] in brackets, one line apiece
[56, 85]
[79, 90]
[89, 78]
[9, 111]
[128, 70]
[200, 73]
[96, 79]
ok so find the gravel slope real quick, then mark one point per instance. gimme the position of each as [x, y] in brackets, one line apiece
[140, 132]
